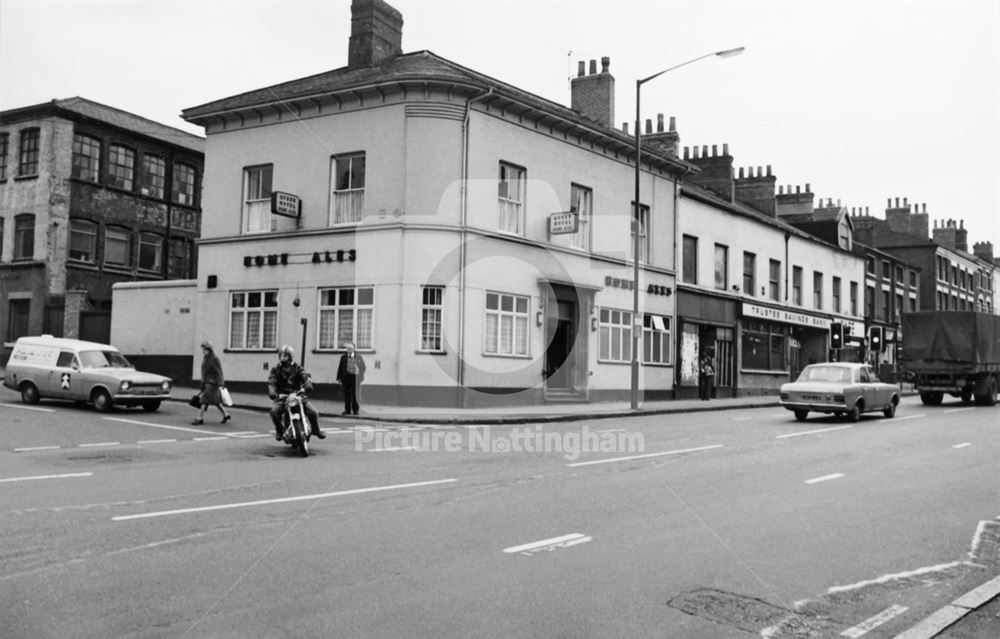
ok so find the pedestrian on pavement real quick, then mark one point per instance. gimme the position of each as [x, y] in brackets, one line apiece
[350, 373]
[212, 382]
[285, 378]
[706, 377]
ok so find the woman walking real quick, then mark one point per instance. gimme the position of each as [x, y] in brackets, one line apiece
[212, 382]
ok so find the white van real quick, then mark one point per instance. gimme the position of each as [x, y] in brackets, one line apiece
[58, 368]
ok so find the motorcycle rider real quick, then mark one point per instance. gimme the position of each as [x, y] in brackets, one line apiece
[288, 377]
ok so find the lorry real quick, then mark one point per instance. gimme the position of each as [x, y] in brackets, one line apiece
[954, 352]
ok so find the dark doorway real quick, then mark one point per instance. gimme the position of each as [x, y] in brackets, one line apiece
[95, 326]
[561, 333]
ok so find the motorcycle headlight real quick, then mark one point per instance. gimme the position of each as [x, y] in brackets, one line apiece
[125, 385]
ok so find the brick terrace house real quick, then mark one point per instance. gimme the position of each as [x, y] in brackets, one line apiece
[89, 195]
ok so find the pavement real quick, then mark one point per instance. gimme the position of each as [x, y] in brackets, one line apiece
[551, 412]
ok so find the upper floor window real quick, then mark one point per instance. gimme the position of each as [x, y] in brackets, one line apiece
[797, 285]
[154, 176]
[689, 264]
[257, 198]
[749, 273]
[86, 157]
[121, 167]
[774, 279]
[253, 320]
[510, 198]
[721, 267]
[870, 265]
[581, 203]
[854, 298]
[640, 224]
[180, 260]
[24, 236]
[4, 143]
[150, 252]
[1, 238]
[346, 315]
[506, 325]
[886, 270]
[83, 241]
[27, 163]
[182, 191]
[817, 290]
[836, 294]
[431, 320]
[348, 199]
[117, 246]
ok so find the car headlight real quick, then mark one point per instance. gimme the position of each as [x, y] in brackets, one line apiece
[125, 385]
[165, 386]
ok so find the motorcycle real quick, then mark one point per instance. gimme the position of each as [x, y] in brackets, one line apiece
[297, 429]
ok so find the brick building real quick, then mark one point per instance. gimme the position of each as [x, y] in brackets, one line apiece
[90, 195]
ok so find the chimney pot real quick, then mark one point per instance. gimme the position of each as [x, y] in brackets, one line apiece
[768, 170]
[687, 153]
[659, 123]
[673, 123]
[741, 173]
[715, 150]
[725, 149]
[581, 69]
[605, 64]
[593, 67]
[649, 125]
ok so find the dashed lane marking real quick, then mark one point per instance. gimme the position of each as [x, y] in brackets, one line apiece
[33, 477]
[100, 444]
[282, 500]
[564, 541]
[816, 480]
[812, 432]
[963, 445]
[156, 441]
[34, 448]
[35, 408]
[645, 456]
[899, 419]
[958, 410]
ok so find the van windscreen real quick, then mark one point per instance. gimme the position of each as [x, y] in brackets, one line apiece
[103, 359]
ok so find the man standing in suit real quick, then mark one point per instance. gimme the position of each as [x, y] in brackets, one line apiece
[350, 373]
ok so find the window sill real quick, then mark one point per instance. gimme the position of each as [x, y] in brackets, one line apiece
[506, 356]
[420, 352]
[24, 178]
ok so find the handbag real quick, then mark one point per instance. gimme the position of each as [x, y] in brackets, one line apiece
[227, 399]
[195, 401]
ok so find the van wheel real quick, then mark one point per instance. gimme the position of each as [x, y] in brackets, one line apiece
[102, 401]
[801, 415]
[29, 393]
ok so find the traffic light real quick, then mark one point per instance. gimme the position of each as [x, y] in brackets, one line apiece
[836, 335]
[876, 339]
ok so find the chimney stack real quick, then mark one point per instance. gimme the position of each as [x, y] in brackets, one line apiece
[757, 192]
[716, 173]
[662, 141]
[376, 33]
[593, 94]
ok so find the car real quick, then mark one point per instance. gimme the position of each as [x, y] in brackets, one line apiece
[59, 368]
[840, 388]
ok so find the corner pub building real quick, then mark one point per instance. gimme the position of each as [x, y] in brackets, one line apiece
[472, 239]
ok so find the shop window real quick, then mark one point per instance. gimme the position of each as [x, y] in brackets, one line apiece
[763, 346]
[346, 315]
[347, 202]
[431, 320]
[253, 320]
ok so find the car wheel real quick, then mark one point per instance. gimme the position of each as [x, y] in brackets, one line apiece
[854, 414]
[931, 398]
[29, 393]
[151, 407]
[966, 396]
[102, 401]
[890, 410]
[801, 415]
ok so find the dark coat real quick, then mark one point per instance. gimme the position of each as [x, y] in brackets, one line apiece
[342, 368]
[287, 378]
[211, 379]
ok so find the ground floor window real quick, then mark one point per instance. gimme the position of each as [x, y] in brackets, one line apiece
[346, 315]
[506, 324]
[615, 336]
[764, 346]
[655, 339]
[253, 320]
[431, 306]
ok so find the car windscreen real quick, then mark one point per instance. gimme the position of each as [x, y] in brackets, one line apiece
[825, 374]
[103, 359]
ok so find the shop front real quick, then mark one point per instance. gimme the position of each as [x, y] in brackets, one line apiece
[707, 328]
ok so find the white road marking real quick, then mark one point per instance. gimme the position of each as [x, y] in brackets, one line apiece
[156, 441]
[812, 432]
[563, 541]
[958, 410]
[23, 407]
[180, 428]
[281, 500]
[646, 456]
[965, 445]
[816, 480]
[874, 622]
[65, 476]
[34, 448]
[613, 430]
[391, 449]
[100, 444]
[899, 419]
[208, 439]
[744, 419]
[884, 579]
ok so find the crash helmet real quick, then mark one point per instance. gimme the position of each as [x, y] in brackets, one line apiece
[286, 349]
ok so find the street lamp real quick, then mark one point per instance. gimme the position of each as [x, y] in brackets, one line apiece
[636, 320]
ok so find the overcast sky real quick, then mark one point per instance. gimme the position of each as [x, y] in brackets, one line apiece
[864, 100]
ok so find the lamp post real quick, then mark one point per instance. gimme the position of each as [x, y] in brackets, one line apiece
[636, 216]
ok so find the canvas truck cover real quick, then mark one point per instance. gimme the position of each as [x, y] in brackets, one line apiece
[951, 339]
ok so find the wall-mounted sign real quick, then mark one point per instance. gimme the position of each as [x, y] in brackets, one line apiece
[283, 259]
[652, 289]
[562, 223]
[286, 204]
[793, 317]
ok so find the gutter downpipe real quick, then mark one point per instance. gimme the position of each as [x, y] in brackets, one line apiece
[463, 253]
